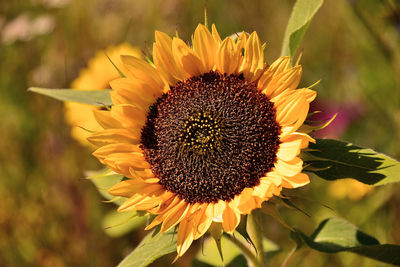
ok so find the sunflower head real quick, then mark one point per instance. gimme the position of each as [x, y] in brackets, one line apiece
[205, 133]
[96, 76]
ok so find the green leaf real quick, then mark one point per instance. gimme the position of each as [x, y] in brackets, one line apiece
[211, 256]
[216, 232]
[333, 159]
[336, 235]
[116, 224]
[91, 97]
[272, 210]
[150, 249]
[211, 252]
[289, 204]
[302, 14]
[104, 180]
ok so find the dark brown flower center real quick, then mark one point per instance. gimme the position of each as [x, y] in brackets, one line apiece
[210, 137]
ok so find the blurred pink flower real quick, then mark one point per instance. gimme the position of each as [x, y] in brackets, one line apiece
[23, 28]
[347, 112]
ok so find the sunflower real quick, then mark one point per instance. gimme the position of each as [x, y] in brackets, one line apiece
[205, 133]
[96, 76]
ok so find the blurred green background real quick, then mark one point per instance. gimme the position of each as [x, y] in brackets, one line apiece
[50, 216]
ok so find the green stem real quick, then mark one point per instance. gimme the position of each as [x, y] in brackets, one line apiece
[246, 251]
[254, 230]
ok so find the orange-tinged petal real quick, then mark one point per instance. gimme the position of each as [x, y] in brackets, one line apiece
[205, 46]
[291, 145]
[246, 200]
[231, 218]
[186, 59]
[298, 180]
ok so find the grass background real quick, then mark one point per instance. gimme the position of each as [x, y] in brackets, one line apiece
[49, 216]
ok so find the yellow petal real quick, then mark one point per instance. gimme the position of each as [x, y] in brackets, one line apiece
[186, 59]
[163, 210]
[185, 237]
[278, 66]
[262, 190]
[148, 202]
[289, 168]
[215, 34]
[228, 57]
[205, 46]
[104, 151]
[308, 93]
[175, 215]
[104, 118]
[303, 136]
[141, 70]
[129, 116]
[147, 196]
[253, 64]
[111, 136]
[127, 188]
[145, 174]
[123, 189]
[164, 59]
[287, 80]
[288, 112]
[290, 149]
[137, 90]
[201, 222]
[241, 41]
[215, 210]
[125, 161]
